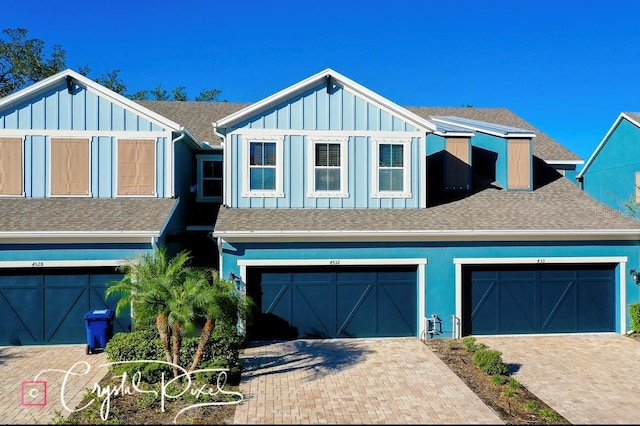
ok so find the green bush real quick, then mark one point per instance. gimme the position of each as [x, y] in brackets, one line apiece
[145, 344]
[469, 342]
[489, 361]
[139, 345]
[634, 313]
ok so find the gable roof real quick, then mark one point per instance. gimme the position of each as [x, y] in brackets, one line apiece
[329, 76]
[632, 117]
[538, 214]
[198, 117]
[76, 78]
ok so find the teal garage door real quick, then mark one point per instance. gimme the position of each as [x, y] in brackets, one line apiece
[538, 299]
[334, 302]
[48, 306]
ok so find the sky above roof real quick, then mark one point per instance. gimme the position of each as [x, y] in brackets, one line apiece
[568, 67]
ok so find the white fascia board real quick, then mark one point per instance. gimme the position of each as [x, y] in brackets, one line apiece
[313, 80]
[79, 234]
[489, 132]
[90, 84]
[537, 260]
[572, 162]
[37, 263]
[461, 235]
[604, 141]
[455, 134]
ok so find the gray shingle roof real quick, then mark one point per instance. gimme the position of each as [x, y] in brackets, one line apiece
[73, 214]
[557, 206]
[198, 118]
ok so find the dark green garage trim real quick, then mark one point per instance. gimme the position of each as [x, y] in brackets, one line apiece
[527, 299]
[47, 306]
[330, 302]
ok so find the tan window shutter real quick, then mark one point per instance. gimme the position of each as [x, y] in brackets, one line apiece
[69, 166]
[519, 164]
[136, 166]
[457, 164]
[11, 166]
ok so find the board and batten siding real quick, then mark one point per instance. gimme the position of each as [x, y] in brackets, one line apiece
[318, 114]
[82, 114]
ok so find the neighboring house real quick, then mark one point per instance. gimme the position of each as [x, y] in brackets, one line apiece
[87, 178]
[346, 215]
[612, 173]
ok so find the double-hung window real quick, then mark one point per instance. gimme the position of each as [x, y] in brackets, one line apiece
[210, 178]
[392, 168]
[328, 170]
[263, 167]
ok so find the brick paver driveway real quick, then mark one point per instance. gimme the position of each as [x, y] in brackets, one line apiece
[587, 378]
[347, 381]
[32, 365]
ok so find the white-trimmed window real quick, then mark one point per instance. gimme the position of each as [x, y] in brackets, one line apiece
[328, 167]
[11, 166]
[391, 168]
[70, 167]
[136, 167]
[210, 178]
[263, 167]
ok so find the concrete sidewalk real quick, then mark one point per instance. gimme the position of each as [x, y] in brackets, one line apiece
[24, 371]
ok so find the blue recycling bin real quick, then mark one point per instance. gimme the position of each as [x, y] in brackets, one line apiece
[99, 323]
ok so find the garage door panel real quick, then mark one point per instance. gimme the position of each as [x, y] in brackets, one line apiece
[22, 317]
[356, 310]
[396, 309]
[311, 309]
[514, 311]
[276, 299]
[558, 310]
[64, 310]
[485, 307]
[596, 312]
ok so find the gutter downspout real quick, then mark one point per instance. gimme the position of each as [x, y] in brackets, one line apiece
[226, 164]
[172, 160]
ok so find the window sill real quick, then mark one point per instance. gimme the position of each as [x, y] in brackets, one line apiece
[263, 194]
[328, 195]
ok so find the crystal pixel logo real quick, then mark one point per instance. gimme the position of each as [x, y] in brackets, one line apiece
[34, 393]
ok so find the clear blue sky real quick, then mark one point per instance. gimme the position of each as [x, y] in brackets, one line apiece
[567, 67]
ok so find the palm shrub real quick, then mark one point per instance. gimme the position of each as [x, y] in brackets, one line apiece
[151, 284]
[221, 305]
[168, 292]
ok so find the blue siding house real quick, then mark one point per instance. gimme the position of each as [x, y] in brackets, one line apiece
[87, 178]
[347, 215]
[341, 213]
[612, 173]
